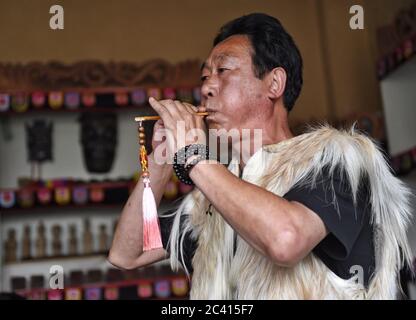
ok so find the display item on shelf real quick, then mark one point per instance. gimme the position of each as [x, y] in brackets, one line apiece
[72, 100]
[38, 99]
[26, 198]
[56, 100]
[26, 243]
[10, 246]
[7, 199]
[87, 240]
[56, 241]
[138, 97]
[99, 141]
[4, 102]
[20, 102]
[40, 241]
[103, 239]
[72, 241]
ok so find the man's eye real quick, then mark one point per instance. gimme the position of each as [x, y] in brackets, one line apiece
[203, 78]
[221, 70]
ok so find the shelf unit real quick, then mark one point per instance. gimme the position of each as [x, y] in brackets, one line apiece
[105, 81]
[95, 261]
[42, 294]
[41, 266]
[145, 109]
[104, 100]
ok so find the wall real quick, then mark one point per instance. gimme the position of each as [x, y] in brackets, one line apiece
[339, 73]
[135, 31]
[350, 55]
[339, 62]
[140, 30]
[66, 148]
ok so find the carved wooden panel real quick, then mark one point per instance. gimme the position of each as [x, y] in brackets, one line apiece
[96, 74]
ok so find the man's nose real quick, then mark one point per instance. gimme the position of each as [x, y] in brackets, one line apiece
[209, 89]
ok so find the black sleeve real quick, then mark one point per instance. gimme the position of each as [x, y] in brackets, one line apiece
[343, 219]
[189, 244]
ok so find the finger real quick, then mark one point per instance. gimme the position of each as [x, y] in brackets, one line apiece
[183, 108]
[193, 110]
[159, 124]
[157, 129]
[160, 109]
[172, 108]
[187, 111]
[190, 106]
[201, 109]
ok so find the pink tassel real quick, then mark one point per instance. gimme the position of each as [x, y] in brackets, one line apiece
[151, 231]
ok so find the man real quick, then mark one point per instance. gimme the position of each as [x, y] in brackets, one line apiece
[318, 216]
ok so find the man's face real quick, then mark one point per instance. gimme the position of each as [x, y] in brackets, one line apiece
[232, 94]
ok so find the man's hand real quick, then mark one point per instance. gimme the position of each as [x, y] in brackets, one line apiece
[182, 124]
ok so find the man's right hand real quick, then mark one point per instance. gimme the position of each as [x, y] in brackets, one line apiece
[162, 140]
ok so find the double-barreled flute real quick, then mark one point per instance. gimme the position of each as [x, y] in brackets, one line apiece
[150, 118]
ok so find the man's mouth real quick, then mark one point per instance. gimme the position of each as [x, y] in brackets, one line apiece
[210, 116]
[210, 111]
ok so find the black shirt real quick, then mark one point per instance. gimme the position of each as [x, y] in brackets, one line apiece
[350, 234]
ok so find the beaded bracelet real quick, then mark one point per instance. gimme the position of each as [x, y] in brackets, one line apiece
[181, 164]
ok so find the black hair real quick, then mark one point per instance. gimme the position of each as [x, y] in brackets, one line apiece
[272, 47]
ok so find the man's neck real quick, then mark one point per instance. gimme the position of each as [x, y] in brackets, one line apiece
[270, 135]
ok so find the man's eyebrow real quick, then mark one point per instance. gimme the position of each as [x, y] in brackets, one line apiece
[224, 56]
[219, 57]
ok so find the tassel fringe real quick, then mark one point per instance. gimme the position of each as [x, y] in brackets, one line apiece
[151, 230]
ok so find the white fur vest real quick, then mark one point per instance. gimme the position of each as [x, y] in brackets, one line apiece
[219, 274]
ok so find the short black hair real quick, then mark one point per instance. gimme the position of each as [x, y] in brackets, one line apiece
[272, 47]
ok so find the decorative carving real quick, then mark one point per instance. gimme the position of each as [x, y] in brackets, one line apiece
[39, 140]
[96, 74]
[99, 141]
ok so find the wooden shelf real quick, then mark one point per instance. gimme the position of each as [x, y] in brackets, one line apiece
[102, 255]
[105, 100]
[164, 205]
[117, 284]
[73, 183]
[111, 204]
[104, 285]
[140, 109]
[63, 208]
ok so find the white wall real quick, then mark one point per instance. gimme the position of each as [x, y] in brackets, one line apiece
[67, 154]
[399, 102]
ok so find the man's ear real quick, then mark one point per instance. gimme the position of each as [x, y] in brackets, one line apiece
[277, 83]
